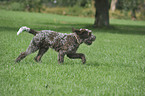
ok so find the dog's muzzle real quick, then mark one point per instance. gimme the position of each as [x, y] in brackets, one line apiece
[89, 40]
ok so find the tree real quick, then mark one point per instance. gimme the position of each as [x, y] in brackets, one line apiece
[113, 5]
[132, 5]
[102, 13]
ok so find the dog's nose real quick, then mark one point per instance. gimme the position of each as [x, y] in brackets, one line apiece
[93, 38]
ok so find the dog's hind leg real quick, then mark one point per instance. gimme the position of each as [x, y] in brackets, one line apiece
[77, 56]
[31, 49]
[40, 54]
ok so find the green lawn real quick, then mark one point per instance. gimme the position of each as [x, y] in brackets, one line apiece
[115, 61]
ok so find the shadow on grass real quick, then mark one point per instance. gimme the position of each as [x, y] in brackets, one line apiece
[3, 28]
[120, 29]
[67, 28]
[116, 29]
[92, 64]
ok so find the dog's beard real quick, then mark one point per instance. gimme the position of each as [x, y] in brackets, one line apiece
[89, 40]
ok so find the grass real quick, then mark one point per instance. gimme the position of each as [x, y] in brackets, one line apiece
[115, 61]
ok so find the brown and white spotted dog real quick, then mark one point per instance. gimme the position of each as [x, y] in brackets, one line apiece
[64, 44]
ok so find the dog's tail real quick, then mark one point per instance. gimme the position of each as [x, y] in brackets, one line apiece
[24, 28]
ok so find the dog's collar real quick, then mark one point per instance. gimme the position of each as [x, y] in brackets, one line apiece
[79, 41]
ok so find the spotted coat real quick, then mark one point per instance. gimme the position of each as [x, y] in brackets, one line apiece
[64, 44]
[57, 41]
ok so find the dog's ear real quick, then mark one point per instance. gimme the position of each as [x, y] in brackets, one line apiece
[73, 29]
[77, 31]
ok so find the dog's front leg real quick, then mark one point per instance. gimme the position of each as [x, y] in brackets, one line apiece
[61, 55]
[77, 56]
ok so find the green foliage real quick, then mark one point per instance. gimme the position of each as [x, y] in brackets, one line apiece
[83, 8]
[16, 6]
[82, 3]
[79, 11]
[71, 11]
[130, 4]
[115, 61]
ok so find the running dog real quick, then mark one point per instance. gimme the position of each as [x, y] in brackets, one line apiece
[64, 44]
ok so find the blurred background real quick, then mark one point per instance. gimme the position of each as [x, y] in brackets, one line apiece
[119, 9]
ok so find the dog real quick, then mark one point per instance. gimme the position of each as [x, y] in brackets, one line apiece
[63, 43]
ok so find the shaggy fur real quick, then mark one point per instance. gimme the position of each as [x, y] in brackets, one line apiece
[64, 44]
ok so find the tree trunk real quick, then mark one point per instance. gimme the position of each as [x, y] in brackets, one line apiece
[133, 14]
[113, 5]
[102, 13]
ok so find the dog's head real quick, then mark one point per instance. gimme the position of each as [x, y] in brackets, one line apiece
[85, 35]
